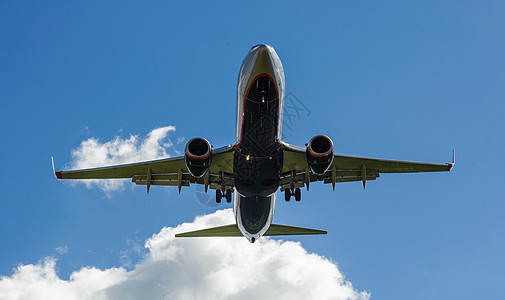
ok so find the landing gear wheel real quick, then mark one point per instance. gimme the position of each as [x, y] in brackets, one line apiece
[287, 194]
[228, 196]
[298, 194]
[218, 196]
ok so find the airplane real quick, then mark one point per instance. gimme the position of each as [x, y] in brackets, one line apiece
[258, 163]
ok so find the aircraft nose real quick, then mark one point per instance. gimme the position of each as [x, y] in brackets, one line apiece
[262, 50]
[263, 62]
[259, 46]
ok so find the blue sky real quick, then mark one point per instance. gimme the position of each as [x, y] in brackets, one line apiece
[393, 80]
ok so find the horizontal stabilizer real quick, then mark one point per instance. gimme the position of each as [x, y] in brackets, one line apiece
[227, 230]
[276, 229]
[232, 230]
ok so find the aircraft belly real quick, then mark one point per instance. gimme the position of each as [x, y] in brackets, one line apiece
[257, 176]
[258, 158]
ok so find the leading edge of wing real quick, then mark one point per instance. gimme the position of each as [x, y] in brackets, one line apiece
[130, 169]
[114, 171]
[350, 162]
[389, 165]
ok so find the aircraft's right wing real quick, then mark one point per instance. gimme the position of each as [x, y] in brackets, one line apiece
[345, 168]
[168, 172]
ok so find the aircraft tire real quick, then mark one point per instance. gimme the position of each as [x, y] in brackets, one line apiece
[228, 196]
[287, 194]
[218, 196]
[298, 194]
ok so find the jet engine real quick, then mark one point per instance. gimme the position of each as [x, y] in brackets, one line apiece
[319, 154]
[198, 156]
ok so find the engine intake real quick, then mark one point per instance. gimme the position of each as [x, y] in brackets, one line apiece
[198, 156]
[319, 154]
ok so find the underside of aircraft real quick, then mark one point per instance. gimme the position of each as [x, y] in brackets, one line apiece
[258, 164]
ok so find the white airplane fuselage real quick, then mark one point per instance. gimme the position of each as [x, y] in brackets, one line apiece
[261, 164]
[258, 159]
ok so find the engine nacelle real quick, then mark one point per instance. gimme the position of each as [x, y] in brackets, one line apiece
[198, 156]
[319, 154]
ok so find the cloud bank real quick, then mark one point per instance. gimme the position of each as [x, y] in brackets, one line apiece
[193, 268]
[92, 153]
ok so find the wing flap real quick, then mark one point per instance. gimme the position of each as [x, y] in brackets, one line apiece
[172, 179]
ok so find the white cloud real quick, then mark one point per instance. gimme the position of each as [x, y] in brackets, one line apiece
[61, 250]
[134, 250]
[193, 268]
[92, 153]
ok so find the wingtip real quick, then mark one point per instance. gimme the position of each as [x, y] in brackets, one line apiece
[56, 174]
[451, 165]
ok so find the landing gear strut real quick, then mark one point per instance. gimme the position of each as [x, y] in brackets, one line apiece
[288, 193]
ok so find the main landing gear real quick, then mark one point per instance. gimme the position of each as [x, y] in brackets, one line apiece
[288, 193]
[220, 195]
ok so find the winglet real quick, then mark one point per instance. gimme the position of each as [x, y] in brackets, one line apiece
[56, 174]
[451, 165]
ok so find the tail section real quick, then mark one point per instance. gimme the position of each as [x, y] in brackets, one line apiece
[232, 230]
[276, 229]
[221, 231]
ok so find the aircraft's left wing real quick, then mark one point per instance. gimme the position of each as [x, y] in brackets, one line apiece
[346, 168]
[168, 172]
